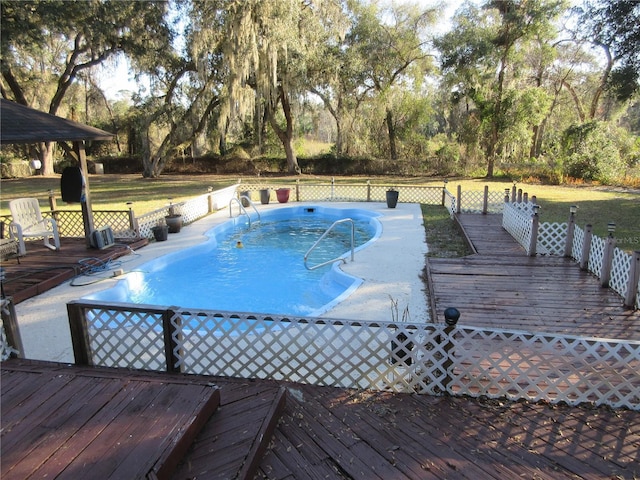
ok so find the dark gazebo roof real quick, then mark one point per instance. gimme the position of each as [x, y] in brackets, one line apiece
[21, 124]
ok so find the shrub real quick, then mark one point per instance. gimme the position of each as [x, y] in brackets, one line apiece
[591, 153]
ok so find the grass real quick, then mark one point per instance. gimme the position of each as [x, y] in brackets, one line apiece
[596, 205]
[443, 237]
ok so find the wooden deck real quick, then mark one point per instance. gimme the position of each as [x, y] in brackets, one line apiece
[61, 421]
[502, 287]
[42, 269]
[344, 434]
[64, 421]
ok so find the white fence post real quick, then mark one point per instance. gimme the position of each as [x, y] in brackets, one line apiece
[634, 278]
[571, 227]
[607, 256]
[586, 247]
[535, 223]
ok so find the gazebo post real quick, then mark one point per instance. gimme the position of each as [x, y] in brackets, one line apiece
[87, 210]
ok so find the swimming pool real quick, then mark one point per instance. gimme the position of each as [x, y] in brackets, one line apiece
[256, 266]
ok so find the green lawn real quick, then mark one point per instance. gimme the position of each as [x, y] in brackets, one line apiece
[596, 205]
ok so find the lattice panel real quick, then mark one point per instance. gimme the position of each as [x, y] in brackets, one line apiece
[149, 220]
[517, 223]
[451, 203]
[70, 223]
[620, 269]
[126, 338]
[596, 255]
[333, 353]
[117, 220]
[520, 365]
[551, 238]
[578, 243]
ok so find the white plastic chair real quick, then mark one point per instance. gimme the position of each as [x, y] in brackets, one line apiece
[28, 222]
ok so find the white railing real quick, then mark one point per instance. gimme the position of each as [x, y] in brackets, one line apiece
[516, 219]
[398, 357]
[614, 267]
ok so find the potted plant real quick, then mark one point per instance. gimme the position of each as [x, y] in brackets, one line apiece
[265, 193]
[392, 197]
[283, 194]
[160, 231]
[400, 348]
[174, 219]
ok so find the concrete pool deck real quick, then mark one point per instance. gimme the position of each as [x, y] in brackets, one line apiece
[391, 268]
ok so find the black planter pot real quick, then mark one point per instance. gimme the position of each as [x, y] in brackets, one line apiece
[174, 222]
[265, 193]
[392, 198]
[160, 233]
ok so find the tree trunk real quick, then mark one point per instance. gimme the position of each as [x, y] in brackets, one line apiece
[285, 136]
[46, 157]
[393, 149]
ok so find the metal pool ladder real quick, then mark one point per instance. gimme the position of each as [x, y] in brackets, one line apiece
[242, 209]
[337, 259]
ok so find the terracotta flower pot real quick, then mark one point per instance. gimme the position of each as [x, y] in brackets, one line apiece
[283, 194]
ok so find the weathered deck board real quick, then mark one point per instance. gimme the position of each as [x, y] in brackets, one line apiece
[42, 269]
[502, 287]
[335, 433]
[115, 425]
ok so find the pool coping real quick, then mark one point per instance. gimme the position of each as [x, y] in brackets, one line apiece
[391, 270]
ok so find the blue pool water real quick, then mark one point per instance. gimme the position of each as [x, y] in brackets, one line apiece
[266, 275]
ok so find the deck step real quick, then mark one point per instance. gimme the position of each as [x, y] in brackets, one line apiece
[232, 444]
[67, 421]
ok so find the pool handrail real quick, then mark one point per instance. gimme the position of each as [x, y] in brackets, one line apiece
[337, 259]
[242, 209]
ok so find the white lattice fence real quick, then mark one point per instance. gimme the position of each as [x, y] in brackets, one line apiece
[620, 268]
[596, 255]
[473, 202]
[450, 202]
[517, 222]
[542, 367]
[578, 242]
[552, 237]
[400, 357]
[127, 338]
[191, 210]
[341, 192]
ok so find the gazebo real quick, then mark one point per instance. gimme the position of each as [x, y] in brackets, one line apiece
[22, 124]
